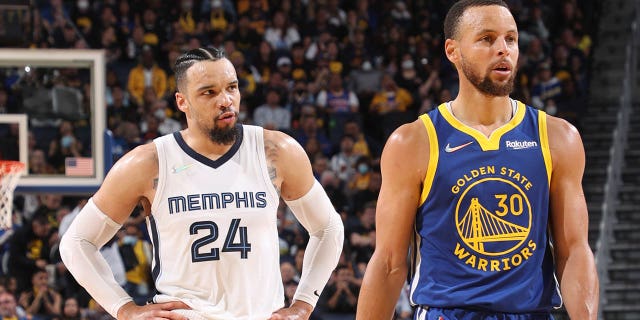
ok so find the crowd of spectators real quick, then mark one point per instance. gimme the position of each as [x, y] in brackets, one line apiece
[338, 76]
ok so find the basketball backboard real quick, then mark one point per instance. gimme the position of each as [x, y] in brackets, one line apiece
[50, 92]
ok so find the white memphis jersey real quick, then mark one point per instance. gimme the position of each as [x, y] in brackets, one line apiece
[213, 226]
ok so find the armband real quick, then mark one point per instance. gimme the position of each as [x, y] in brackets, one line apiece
[316, 214]
[80, 252]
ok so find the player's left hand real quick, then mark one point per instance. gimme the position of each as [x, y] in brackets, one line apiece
[297, 311]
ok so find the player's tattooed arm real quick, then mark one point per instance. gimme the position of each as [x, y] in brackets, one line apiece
[271, 151]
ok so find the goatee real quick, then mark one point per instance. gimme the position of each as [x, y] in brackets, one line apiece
[486, 85]
[224, 136]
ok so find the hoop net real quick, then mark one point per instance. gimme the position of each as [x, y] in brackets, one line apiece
[10, 172]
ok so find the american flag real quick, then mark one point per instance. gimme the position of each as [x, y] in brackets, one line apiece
[78, 166]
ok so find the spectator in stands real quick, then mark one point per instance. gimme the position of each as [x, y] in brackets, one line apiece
[364, 144]
[392, 105]
[161, 112]
[365, 80]
[38, 163]
[126, 18]
[121, 109]
[288, 272]
[109, 42]
[272, 115]
[136, 256]
[299, 97]
[361, 197]
[343, 162]
[54, 14]
[281, 35]
[309, 130]
[66, 145]
[264, 60]
[50, 203]
[361, 178]
[125, 138]
[334, 187]
[342, 295]
[319, 164]
[65, 36]
[146, 74]
[245, 37]
[71, 309]
[362, 236]
[547, 87]
[258, 13]
[9, 309]
[248, 75]
[29, 250]
[339, 104]
[407, 77]
[152, 124]
[41, 301]
[300, 66]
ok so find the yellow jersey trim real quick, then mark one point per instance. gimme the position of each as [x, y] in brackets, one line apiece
[544, 144]
[434, 154]
[493, 141]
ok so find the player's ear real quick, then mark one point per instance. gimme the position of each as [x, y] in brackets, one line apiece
[451, 50]
[181, 102]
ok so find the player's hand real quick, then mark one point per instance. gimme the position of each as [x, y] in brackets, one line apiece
[131, 311]
[297, 311]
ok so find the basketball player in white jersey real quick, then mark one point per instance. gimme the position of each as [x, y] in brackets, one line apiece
[211, 193]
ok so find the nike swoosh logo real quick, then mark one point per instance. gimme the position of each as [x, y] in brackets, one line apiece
[316, 293]
[449, 148]
[182, 168]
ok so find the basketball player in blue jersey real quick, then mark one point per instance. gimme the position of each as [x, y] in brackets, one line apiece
[211, 193]
[484, 194]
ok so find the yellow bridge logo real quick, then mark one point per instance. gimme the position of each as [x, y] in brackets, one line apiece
[495, 232]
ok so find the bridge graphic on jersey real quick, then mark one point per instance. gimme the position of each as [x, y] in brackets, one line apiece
[479, 225]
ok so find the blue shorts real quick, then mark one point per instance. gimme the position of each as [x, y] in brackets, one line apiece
[465, 314]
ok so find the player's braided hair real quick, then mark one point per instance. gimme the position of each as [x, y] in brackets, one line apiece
[187, 59]
[452, 20]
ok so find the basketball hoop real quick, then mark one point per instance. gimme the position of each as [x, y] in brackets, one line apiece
[10, 172]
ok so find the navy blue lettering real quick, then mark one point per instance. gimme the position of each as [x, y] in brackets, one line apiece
[194, 202]
[213, 201]
[208, 201]
[227, 198]
[261, 199]
[242, 198]
[176, 203]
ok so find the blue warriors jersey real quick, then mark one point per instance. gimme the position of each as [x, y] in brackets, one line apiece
[481, 239]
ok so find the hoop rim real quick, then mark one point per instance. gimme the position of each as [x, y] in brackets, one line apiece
[11, 166]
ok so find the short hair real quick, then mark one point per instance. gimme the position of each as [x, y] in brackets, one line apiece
[452, 20]
[189, 58]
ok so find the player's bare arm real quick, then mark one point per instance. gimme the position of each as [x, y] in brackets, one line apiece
[569, 221]
[404, 162]
[131, 179]
[289, 166]
[290, 171]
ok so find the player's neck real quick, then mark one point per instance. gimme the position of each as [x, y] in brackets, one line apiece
[475, 108]
[483, 113]
[203, 145]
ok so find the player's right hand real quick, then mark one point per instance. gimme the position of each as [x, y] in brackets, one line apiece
[156, 311]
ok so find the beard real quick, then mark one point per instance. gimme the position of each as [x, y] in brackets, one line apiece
[485, 85]
[226, 135]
